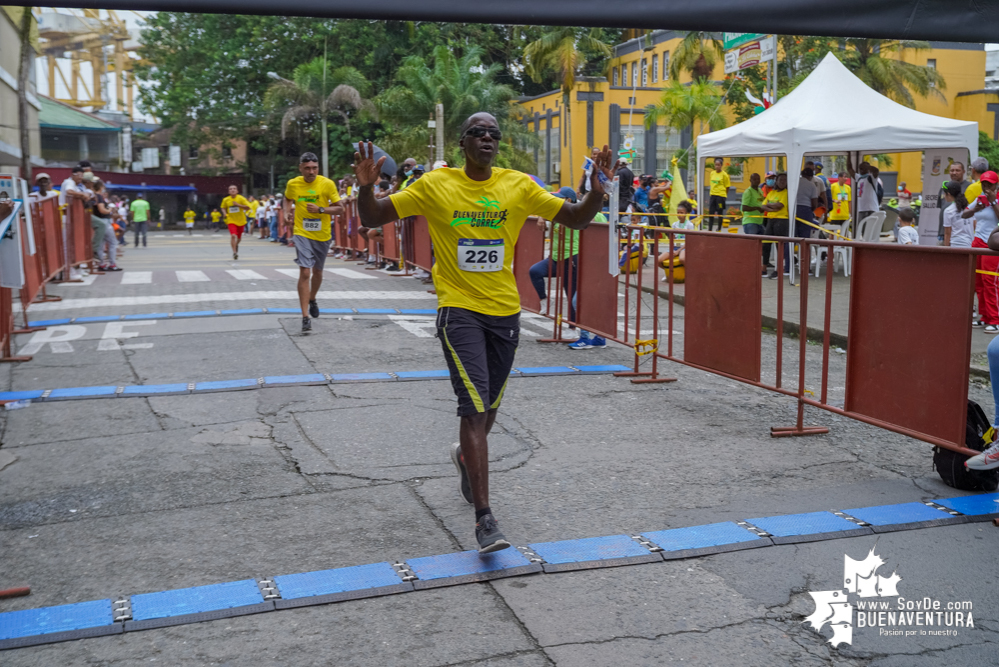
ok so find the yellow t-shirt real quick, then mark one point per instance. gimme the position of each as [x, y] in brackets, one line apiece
[254, 205]
[973, 191]
[215, 216]
[776, 196]
[841, 202]
[189, 216]
[474, 227]
[233, 214]
[720, 183]
[321, 192]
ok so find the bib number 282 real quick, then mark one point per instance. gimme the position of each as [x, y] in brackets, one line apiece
[482, 255]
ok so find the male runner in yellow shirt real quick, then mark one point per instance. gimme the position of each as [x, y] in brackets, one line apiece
[235, 207]
[216, 216]
[309, 201]
[189, 220]
[475, 215]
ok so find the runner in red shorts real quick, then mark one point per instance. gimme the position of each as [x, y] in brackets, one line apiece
[235, 207]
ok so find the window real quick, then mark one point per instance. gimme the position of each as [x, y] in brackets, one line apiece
[226, 152]
[634, 73]
[542, 152]
[667, 144]
[624, 75]
[192, 152]
[614, 82]
[645, 72]
[665, 65]
[556, 155]
[655, 69]
[932, 64]
[637, 133]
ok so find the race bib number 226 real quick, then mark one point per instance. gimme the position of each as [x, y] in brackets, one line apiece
[483, 255]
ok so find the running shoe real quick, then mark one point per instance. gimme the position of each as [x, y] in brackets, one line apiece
[235, 255]
[306, 325]
[488, 534]
[987, 460]
[464, 487]
[597, 341]
[582, 343]
[112, 267]
[313, 308]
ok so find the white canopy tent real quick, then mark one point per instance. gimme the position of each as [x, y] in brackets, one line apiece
[833, 112]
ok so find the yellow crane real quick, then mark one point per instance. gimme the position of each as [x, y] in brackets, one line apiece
[85, 36]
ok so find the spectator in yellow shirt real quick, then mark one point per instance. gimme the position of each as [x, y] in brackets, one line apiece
[720, 183]
[776, 212]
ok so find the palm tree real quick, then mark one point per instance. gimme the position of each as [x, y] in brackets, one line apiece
[559, 51]
[697, 54]
[307, 95]
[683, 105]
[878, 63]
[464, 86]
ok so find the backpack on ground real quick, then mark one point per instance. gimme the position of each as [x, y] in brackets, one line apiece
[979, 434]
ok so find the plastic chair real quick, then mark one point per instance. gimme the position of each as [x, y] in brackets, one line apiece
[869, 229]
[819, 253]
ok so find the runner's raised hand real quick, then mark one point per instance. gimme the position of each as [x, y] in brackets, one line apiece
[604, 164]
[368, 171]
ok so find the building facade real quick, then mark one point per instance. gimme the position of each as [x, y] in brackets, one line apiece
[10, 128]
[611, 110]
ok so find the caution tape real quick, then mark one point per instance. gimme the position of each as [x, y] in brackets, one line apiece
[988, 273]
[643, 347]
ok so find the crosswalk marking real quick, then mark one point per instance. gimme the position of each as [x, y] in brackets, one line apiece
[192, 277]
[291, 273]
[136, 277]
[348, 273]
[245, 274]
[341, 296]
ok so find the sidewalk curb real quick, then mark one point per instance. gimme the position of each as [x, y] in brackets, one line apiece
[794, 329]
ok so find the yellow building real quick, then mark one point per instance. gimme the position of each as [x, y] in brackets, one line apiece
[611, 110]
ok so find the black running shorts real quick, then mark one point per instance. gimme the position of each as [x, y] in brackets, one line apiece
[479, 350]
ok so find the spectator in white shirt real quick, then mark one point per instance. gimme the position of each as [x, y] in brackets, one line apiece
[72, 188]
[865, 189]
[958, 231]
[805, 203]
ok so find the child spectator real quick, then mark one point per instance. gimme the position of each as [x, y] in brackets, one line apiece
[907, 234]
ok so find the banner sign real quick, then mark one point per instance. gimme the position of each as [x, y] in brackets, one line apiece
[936, 171]
[750, 54]
[730, 40]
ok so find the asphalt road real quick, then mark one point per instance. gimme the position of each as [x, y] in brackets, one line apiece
[133, 495]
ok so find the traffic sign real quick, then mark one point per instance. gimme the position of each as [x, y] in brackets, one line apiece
[733, 39]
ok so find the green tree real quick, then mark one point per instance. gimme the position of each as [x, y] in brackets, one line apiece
[562, 50]
[316, 93]
[697, 54]
[682, 106]
[464, 86]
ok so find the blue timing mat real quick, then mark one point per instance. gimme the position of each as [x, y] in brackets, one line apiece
[52, 624]
[983, 507]
[904, 516]
[468, 566]
[808, 527]
[592, 552]
[345, 583]
[704, 540]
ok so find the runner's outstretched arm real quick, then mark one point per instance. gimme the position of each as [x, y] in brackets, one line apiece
[580, 214]
[373, 212]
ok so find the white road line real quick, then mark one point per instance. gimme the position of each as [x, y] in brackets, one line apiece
[85, 280]
[291, 273]
[244, 274]
[192, 277]
[341, 296]
[349, 273]
[136, 277]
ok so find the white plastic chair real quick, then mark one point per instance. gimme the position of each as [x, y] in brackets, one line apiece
[819, 252]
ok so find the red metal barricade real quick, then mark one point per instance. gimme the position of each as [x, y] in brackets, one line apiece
[422, 248]
[530, 249]
[390, 244]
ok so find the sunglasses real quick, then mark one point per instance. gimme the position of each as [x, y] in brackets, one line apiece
[478, 132]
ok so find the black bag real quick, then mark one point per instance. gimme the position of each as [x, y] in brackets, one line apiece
[979, 434]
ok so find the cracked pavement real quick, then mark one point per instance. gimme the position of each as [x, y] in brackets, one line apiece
[133, 495]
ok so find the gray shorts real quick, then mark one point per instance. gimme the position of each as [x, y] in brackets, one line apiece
[309, 253]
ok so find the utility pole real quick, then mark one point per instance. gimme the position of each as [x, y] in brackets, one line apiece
[22, 93]
[432, 125]
[440, 132]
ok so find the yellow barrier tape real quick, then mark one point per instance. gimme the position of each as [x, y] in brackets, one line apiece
[643, 347]
[823, 229]
[988, 273]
